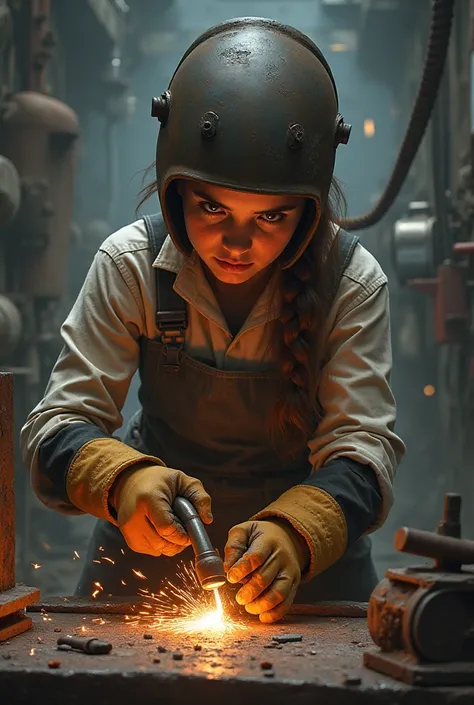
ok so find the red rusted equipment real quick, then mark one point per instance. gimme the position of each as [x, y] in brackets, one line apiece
[13, 598]
[422, 617]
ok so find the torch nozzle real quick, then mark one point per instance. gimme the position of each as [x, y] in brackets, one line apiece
[209, 566]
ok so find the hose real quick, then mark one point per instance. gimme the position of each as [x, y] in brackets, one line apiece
[440, 30]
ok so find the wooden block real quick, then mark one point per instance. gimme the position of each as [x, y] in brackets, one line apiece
[7, 498]
[17, 598]
[14, 624]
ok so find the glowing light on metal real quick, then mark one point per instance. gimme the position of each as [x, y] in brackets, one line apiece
[186, 608]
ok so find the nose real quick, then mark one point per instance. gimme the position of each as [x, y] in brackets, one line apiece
[237, 241]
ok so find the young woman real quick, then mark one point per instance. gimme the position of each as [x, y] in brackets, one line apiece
[261, 332]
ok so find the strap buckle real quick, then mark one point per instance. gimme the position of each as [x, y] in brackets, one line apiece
[172, 325]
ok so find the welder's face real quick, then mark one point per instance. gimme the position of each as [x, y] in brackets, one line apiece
[237, 233]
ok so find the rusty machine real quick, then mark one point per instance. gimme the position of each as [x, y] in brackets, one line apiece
[422, 617]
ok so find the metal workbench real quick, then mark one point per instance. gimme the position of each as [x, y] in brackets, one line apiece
[324, 668]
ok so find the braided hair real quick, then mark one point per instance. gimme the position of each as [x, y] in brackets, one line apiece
[299, 338]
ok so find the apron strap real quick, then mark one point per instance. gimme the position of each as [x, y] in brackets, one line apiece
[171, 310]
[347, 244]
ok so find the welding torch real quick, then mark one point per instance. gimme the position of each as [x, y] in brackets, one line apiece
[208, 564]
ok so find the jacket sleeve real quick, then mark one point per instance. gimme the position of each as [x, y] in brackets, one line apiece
[359, 409]
[87, 388]
[355, 450]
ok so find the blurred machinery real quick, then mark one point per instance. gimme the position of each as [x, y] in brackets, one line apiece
[432, 248]
[42, 88]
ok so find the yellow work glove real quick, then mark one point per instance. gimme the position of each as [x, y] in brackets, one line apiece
[106, 474]
[143, 496]
[269, 557]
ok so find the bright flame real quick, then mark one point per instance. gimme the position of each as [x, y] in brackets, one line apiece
[32, 652]
[139, 574]
[186, 609]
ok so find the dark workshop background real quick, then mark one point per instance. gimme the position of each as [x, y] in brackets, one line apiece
[108, 59]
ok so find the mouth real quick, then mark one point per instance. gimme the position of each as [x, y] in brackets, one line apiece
[233, 266]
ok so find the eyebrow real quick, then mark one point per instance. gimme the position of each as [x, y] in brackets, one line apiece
[279, 209]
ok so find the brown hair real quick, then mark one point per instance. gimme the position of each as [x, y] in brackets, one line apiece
[307, 288]
[307, 292]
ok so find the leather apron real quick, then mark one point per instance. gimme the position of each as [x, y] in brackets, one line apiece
[211, 424]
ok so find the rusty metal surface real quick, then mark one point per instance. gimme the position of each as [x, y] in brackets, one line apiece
[124, 605]
[84, 605]
[7, 497]
[325, 667]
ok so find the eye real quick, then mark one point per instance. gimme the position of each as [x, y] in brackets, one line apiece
[210, 208]
[272, 217]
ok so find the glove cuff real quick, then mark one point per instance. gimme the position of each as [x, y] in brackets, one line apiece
[315, 515]
[93, 471]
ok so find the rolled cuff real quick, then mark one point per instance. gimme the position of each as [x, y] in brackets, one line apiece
[95, 468]
[318, 518]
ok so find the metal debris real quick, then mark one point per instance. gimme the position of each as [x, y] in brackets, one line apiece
[161, 649]
[177, 656]
[266, 665]
[57, 629]
[287, 638]
[88, 646]
[352, 680]
[197, 647]
[269, 674]
[64, 647]
[54, 664]
[148, 636]
[156, 660]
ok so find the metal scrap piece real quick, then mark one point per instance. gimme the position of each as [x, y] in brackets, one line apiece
[287, 638]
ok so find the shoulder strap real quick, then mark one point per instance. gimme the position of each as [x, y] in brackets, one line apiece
[171, 311]
[347, 245]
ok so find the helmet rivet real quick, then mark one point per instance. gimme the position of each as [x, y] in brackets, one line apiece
[160, 107]
[295, 135]
[208, 124]
[343, 131]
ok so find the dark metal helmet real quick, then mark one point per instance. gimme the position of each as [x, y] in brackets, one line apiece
[251, 106]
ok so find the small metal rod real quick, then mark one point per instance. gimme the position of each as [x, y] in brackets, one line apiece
[88, 646]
